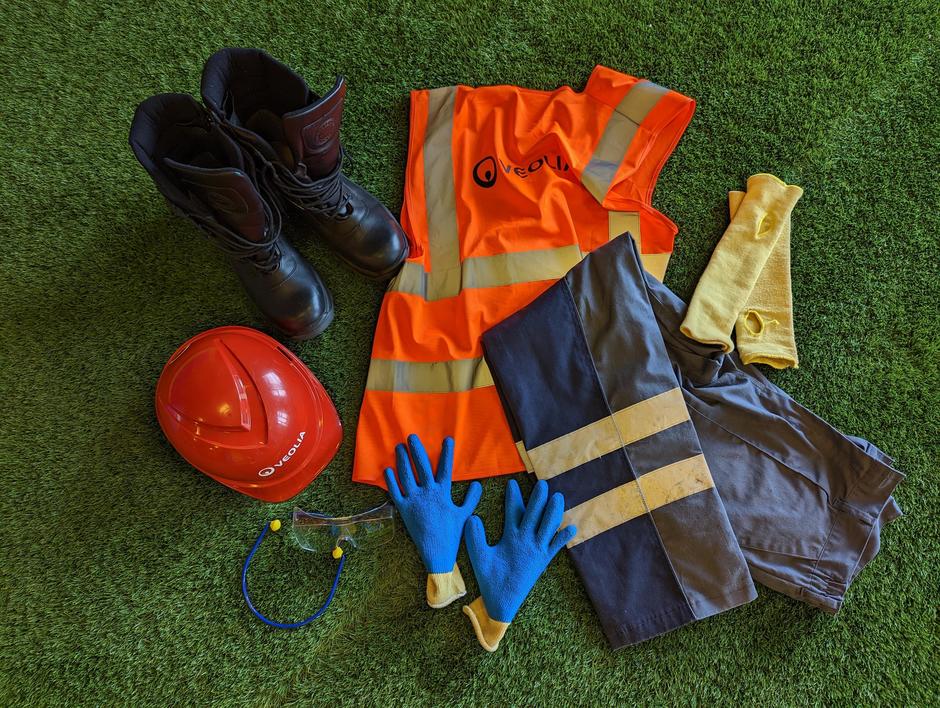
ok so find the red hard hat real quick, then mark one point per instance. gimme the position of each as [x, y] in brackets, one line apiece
[244, 410]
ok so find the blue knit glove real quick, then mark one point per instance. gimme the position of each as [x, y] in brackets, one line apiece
[433, 521]
[507, 571]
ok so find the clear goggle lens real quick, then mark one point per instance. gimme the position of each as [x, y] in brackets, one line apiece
[321, 534]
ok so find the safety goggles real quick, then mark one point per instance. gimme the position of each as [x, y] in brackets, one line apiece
[321, 534]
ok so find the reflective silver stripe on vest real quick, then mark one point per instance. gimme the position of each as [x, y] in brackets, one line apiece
[428, 377]
[439, 194]
[493, 271]
[611, 149]
[620, 222]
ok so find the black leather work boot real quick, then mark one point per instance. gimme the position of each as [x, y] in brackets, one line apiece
[293, 136]
[204, 176]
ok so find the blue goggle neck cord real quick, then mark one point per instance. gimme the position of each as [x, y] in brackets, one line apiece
[337, 553]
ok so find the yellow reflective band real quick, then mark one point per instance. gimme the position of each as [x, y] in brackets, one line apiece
[618, 134]
[428, 377]
[620, 222]
[525, 457]
[626, 426]
[439, 190]
[651, 416]
[519, 267]
[655, 264]
[628, 501]
[411, 279]
[493, 271]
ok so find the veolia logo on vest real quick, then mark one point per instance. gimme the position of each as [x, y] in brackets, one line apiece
[487, 170]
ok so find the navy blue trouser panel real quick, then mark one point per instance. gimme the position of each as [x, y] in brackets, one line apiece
[624, 571]
[630, 359]
[553, 390]
[655, 548]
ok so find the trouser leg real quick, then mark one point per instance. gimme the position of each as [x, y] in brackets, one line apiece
[592, 396]
[806, 502]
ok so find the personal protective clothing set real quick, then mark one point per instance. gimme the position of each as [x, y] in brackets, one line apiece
[531, 322]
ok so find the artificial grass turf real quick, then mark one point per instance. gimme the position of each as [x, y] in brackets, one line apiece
[120, 563]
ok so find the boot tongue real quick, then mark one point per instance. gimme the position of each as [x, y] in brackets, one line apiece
[312, 132]
[269, 125]
[226, 191]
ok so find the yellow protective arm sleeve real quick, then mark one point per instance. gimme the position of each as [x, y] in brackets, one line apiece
[489, 631]
[764, 329]
[738, 261]
[444, 588]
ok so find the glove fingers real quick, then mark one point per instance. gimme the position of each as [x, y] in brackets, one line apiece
[445, 463]
[561, 539]
[551, 519]
[393, 491]
[420, 458]
[515, 507]
[533, 512]
[406, 477]
[471, 498]
[474, 536]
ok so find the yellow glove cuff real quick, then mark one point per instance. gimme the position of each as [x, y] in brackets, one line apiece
[489, 631]
[444, 588]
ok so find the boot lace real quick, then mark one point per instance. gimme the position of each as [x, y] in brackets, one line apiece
[327, 196]
[265, 253]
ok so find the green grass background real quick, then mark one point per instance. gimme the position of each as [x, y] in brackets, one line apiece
[120, 564]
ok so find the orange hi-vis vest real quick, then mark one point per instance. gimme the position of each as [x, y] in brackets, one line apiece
[506, 189]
